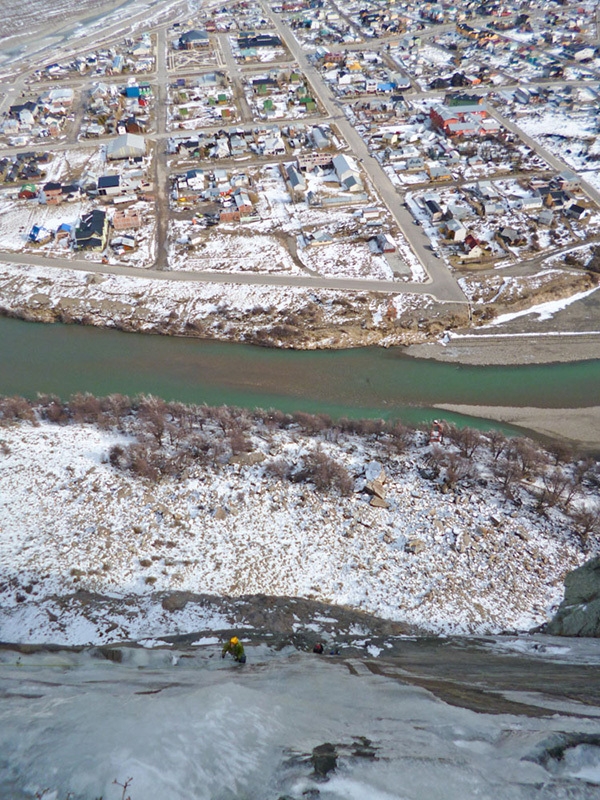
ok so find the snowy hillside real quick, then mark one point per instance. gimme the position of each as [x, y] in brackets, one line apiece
[471, 535]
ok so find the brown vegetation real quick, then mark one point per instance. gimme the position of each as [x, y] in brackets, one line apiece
[168, 439]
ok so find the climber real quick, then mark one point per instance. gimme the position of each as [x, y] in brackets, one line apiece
[235, 648]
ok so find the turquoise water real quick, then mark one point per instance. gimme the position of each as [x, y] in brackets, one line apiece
[64, 359]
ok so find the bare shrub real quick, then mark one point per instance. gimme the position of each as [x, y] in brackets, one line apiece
[85, 408]
[239, 443]
[325, 473]
[52, 409]
[115, 407]
[116, 456]
[142, 463]
[362, 427]
[16, 408]
[457, 469]
[278, 468]
[311, 423]
[561, 452]
[400, 436]
[273, 418]
[152, 412]
[554, 485]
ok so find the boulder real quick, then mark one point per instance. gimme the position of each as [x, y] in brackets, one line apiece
[176, 601]
[324, 758]
[374, 471]
[378, 502]
[415, 546]
[376, 488]
[579, 612]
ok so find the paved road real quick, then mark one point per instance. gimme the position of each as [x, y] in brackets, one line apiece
[161, 167]
[235, 77]
[443, 283]
[248, 279]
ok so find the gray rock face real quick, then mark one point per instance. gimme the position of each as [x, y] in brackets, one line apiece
[579, 613]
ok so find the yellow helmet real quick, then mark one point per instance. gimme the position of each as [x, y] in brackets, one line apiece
[234, 640]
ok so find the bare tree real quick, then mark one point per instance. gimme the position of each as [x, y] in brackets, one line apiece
[587, 524]
[555, 483]
[468, 440]
[528, 455]
[497, 443]
[509, 473]
[152, 412]
[457, 469]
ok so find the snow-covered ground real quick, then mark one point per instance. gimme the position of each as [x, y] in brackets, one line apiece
[70, 520]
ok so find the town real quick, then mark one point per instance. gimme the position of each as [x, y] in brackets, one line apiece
[448, 151]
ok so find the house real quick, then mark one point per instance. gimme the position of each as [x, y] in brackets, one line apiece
[456, 230]
[347, 173]
[385, 243]
[133, 125]
[28, 191]
[510, 237]
[192, 39]
[530, 203]
[414, 164]
[575, 211]
[123, 243]
[60, 97]
[26, 119]
[92, 231]
[308, 161]
[274, 145]
[434, 210]
[128, 145]
[71, 192]
[579, 52]
[109, 185]
[248, 41]
[439, 173]
[63, 231]
[243, 203]
[296, 179]
[568, 181]
[51, 194]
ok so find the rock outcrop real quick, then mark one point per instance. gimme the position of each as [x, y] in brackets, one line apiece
[579, 613]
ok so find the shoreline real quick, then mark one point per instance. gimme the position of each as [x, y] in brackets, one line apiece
[578, 425]
[511, 349]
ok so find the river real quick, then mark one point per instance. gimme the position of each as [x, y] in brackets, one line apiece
[369, 382]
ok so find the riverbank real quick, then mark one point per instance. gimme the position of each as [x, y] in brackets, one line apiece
[297, 318]
[504, 349]
[576, 425]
